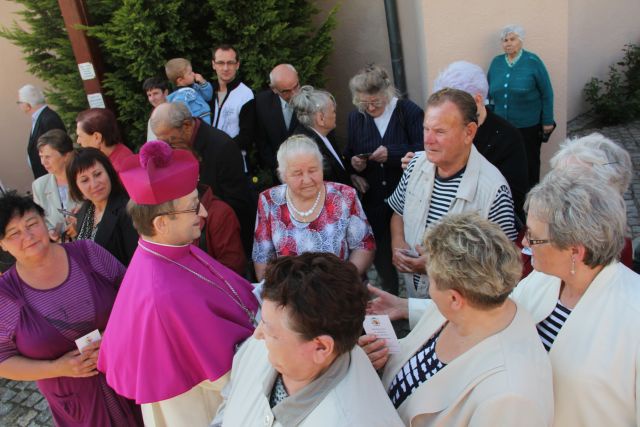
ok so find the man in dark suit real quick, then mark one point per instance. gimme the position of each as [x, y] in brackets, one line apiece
[221, 165]
[43, 119]
[275, 118]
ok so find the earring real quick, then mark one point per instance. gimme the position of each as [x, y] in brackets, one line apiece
[573, 265]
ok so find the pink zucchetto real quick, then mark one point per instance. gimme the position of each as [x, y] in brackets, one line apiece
[159, 174]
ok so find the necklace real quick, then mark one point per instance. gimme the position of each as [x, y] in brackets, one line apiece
[304, 214]
[233, 295]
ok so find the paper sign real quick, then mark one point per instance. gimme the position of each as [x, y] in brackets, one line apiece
[84, 341]
[96, 100]
[380, 326]
[86, 71]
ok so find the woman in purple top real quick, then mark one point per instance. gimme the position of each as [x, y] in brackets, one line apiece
[54, 295]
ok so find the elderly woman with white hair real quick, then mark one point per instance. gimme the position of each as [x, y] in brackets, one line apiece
[316, 113]
[307, 214]
[520, 92]
[585, 302]
[609, 162]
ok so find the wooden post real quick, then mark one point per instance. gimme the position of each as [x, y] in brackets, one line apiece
[86, 52]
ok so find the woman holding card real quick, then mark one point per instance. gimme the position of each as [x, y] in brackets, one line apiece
[475, 356]
[54, 295]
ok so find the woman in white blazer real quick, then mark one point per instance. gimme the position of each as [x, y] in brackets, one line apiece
[50, 191]
[474, 358]
[585, 302]
[302, 366]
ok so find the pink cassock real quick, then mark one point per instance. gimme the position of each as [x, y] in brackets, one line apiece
[170, 330]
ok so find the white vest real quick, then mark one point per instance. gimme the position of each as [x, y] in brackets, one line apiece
[357, 400]
[477, 191]
[227, 117]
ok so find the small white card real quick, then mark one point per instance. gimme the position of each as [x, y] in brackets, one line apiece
[84, 341]
[380, 326]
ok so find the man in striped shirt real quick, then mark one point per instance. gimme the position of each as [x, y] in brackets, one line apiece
[451, 177]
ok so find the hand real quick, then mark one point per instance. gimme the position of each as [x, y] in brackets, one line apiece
[79, 365]
[375, 349]
[406, 264]
[360, 183]
[358, 164]
[380, 155]
[404, 162]
[547, 128]
[198, 78]
[385, 303]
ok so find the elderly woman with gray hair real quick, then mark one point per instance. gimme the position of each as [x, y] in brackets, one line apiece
[307, 214]
[381, 131]
[585, 302]
[598, 155]
[474, 358]
[316, 113]
[520, 92]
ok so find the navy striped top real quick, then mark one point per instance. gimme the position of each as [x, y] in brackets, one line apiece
[549, 328]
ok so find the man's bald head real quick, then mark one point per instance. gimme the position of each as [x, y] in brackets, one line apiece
[172, 122]
[283, 80]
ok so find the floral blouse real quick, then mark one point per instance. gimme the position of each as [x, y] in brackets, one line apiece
[340, 228]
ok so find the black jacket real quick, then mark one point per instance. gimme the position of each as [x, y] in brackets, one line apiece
[221, 168]
[271, 130]
[115, 231]
[47, 120]
[333, 171]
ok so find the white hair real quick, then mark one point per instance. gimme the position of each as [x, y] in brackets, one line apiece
[512, 28]
[31, 95]
[295, 146]
[580, 210]
[309, 101]
[464, 76]
[598, 155]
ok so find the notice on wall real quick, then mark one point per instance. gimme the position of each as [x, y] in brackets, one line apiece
[96, 100]
[86, 71]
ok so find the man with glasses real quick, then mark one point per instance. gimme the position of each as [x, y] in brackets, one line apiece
[274, 115]
[31, 101]
[179, 314]
[233, 104]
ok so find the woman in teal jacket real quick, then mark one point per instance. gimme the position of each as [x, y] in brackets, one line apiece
[520, 92]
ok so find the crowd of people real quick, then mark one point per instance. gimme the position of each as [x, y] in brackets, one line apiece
[159, 289]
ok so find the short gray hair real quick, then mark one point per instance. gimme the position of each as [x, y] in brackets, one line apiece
[580, 210]
[472, 255]
[272, 77]
[31, 95]
[142, 216]
[294, 146]
[170, 114]
[371, 80]
[310, 101]
[597, 154]
[464, 76]
[512, 28]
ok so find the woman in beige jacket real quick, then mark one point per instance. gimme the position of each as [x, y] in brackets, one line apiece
[585, 302]
[474, 358]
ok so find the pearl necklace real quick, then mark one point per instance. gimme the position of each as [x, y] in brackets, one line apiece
[233, 295]
[304, 214]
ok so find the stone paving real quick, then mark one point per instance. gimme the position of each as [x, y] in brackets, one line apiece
[22, 405]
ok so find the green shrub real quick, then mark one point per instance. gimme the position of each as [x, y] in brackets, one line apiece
[136, 37]
[617, 100]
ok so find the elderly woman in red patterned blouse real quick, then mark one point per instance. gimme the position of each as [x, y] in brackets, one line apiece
[307, 214]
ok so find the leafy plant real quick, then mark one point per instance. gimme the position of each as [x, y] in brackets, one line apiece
[136, 37]
[617, 100]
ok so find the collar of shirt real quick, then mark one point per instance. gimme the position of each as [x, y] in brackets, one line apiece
[382, 121]
[35, 115]
[329, 147]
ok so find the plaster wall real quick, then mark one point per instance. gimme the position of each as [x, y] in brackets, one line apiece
[14, 124]
[597, 33]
